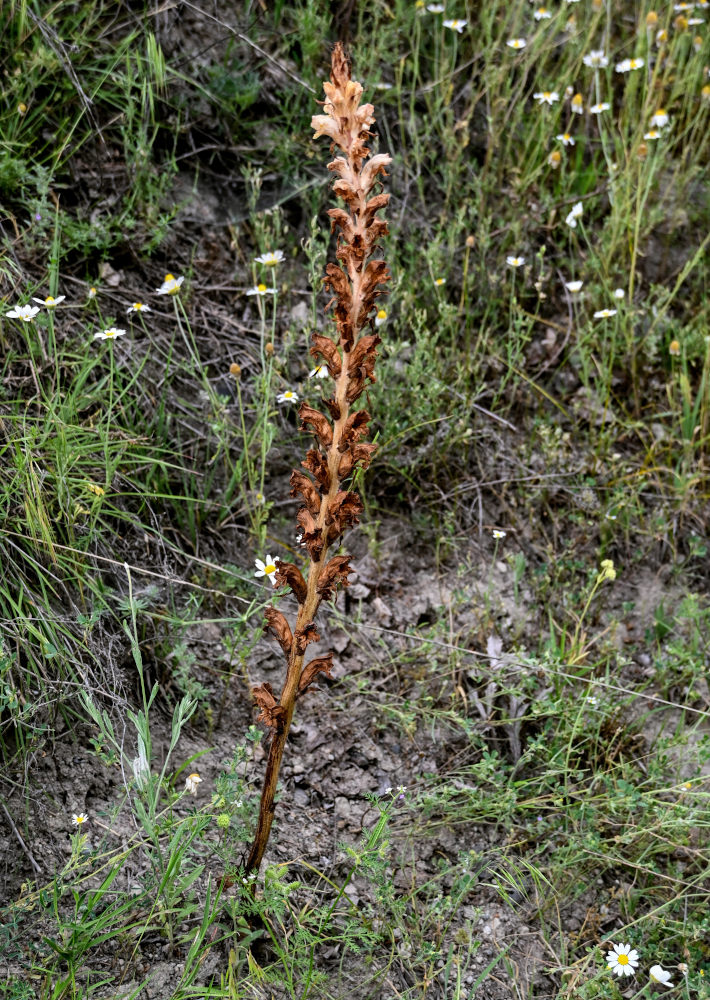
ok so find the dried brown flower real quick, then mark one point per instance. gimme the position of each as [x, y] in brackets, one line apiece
[356, 279]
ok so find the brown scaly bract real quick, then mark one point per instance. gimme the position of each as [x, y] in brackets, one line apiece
[328, 508]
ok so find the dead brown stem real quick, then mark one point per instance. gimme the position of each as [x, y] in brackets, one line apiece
[328, 509]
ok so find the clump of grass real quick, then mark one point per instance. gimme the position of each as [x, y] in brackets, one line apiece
[328, 509]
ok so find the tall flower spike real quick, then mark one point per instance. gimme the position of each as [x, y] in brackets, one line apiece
[356, 281]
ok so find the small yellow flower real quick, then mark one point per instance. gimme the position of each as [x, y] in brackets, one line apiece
[21, 108]
[681, 23]
[577, 104]
[98, 491]
[705, 92]
[607, 570]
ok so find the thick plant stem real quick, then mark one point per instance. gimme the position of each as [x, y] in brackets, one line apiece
[329, 507]
[306, 614]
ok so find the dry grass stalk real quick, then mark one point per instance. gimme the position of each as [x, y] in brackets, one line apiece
[328, 508]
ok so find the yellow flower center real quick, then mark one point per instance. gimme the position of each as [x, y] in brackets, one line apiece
[137, 306]
[169, 277]
[261, 288]
[110, 333]
[49, 301]
[623, 959]
[268, 570]
[381, 314]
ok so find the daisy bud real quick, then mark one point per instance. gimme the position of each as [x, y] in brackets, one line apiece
[674, 348]
[642, 151]
[235, 370]
[21, 108]
[269, 348]
[470, 242]
[554, 159]
[651, 19]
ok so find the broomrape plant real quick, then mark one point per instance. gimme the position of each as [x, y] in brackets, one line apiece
[329, 508]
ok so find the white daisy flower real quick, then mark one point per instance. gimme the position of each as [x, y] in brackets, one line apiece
[623, 960]
[320, 371]
[381, 317]
[660, 118]
[138, 307]
[565, 138]
[604, 313]
[92, 292]
[261, 289]
[171, 285]
[619, 293]
[515, 261]
[542, 14]
[596, 109]
[456, 25]
[191, 783]
[79, 818]
[289, 396]
[498, 533]
[267, 569]
[546, 97]
[574, 214]
[270, 259]
[574, 286]
[627, 65]
[516, 43]
[50, 302]
[577, 104]
[596, 59]
[26, 313]
[435, 8]
[439, 281]
[109, 334]
[660, 975]
[652, 134]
